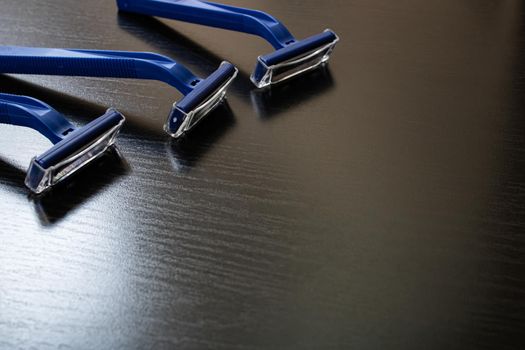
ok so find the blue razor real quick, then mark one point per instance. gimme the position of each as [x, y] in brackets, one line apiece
[292, 57]
[73, 147]
[201, 96]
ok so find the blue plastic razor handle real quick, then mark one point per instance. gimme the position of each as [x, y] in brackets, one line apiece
[292, 56]
[200, 95]
[73, 147]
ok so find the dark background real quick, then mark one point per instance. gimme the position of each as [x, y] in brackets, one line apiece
[375, 204]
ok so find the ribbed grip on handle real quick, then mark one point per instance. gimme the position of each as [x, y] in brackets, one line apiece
[73, 66]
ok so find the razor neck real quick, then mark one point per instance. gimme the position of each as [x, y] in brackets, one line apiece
[34, 114]
[215, 15]
[96, 63]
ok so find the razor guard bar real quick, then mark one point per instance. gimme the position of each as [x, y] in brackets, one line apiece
[118, 64]
[291, 57]
[73, 147]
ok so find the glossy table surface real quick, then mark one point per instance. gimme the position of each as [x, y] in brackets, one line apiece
[377, 203]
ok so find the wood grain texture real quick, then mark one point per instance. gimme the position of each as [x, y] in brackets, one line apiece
[378, 203]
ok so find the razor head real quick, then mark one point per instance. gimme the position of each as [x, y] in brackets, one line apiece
[74, 152]
[204, 98]
[294, 59]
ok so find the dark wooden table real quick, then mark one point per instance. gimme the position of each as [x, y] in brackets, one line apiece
[375, 204]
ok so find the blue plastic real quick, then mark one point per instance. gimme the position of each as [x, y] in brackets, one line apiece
[78, 138]
[214, 15]
[34, 114]
[242, 20]
[212, 89]
[114, 64]
[69, 141]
